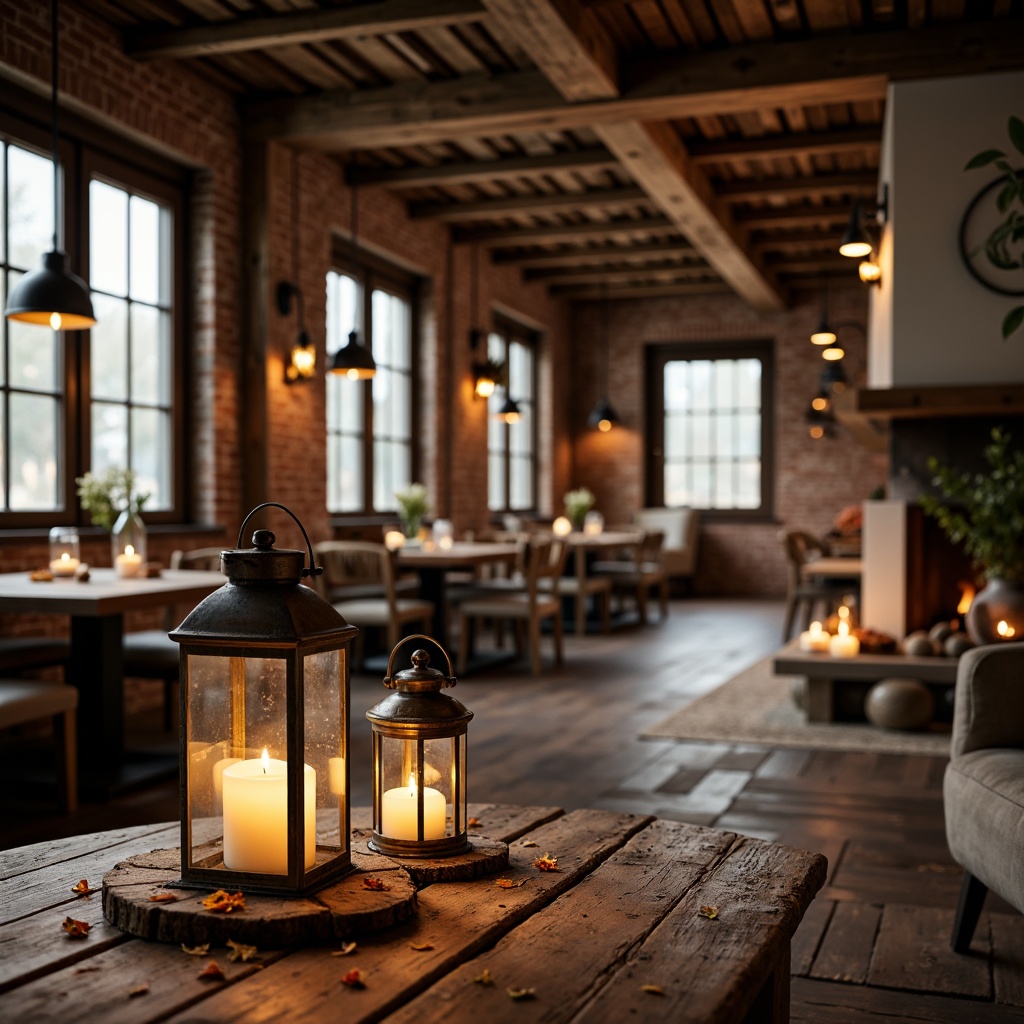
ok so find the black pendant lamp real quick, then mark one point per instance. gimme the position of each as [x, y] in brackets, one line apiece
[52, 296]
[855, 243]
[354, 359]
[603, 417]
[509, 411]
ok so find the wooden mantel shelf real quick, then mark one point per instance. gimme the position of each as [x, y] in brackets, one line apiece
[868, 411]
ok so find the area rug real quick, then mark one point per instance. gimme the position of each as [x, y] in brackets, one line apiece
[757, 707]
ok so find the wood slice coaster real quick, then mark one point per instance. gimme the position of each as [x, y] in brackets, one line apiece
[484, 857]
[342, 910]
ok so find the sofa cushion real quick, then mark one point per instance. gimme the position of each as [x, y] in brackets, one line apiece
[983, 793]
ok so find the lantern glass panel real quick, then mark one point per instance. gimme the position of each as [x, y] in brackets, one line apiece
[325, 729]
[401, 781]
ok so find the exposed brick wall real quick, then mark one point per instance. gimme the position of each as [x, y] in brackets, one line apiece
[813, 479]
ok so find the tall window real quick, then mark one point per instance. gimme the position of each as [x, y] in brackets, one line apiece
[370, 450]
[512, 447]
[709, 410]
[109, 396]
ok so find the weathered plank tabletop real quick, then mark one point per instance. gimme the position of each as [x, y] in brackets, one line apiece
[622, 912]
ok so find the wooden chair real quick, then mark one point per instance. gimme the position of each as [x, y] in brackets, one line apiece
[151, 653]
[640, 572]
[371, 568]
[801, 593]
[25, 700]
[582, 585]
[528, 606]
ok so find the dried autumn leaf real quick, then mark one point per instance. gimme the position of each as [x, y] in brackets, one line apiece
[652, 990]
[528, 842]
[76, 929]
[82, 888]
[375, 884]
[163, 897]
[709, 912]
[546, 863]
[222, 902]
[211, 972]
[139, 990]
[507, 883]
[353, 979]
[347, 948]
[85, 970]
[420, 947]
[521, 993]
[241, 952]
[484, 978]
[474, 823]
[196, 950]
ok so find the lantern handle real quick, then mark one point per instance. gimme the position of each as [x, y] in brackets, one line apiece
[314, 569]
[449, 680]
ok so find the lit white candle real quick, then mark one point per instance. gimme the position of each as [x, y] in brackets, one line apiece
[842, 645]
[394, 539]
[398, 813]
[336, 775]
[128, 564]
[66, 565]
[815, 639]
[561, 527]
[256, 815]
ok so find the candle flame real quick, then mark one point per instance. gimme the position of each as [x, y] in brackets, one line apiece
[1005, 630]
[265, 761]
[65, 557]
[844, 628]
[55, 321]
[815, 628]
[129, 550]
[844, 612]
[412, 784]
[966, 597]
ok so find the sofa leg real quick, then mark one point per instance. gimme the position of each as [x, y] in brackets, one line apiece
[968, 910]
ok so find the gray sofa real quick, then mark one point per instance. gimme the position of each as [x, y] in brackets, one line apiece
[983, 790]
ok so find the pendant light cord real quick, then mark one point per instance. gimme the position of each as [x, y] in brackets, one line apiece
[354, 219]
[295, 241]
[53, 113]
[604, 338]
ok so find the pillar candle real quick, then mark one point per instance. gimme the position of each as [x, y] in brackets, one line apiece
[128, 564]
[815, 639]
[256, 815]
[66, 565]
[842, 645]
[398, 813]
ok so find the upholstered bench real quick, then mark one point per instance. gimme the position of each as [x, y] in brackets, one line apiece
[24, 700]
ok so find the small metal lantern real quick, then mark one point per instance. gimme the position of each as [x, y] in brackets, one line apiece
[264, 745]
[419, 762]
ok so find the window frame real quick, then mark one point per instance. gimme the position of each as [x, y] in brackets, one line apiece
[657, 356]
[83, 147]
[374, 273]
[512, 330]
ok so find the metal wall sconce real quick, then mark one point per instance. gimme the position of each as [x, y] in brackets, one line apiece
[857, 243]
[869, 271]
[509, 411]
[301, 362]
[603, 417]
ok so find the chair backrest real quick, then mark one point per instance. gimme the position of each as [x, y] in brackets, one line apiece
[651, 545]
[352, 564]
[199, 558]
[545, 559]
[798, 546]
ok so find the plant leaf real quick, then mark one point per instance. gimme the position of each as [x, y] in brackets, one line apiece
[507, 883]
[347, 948]
[484, 978]
[163, 897]
[527, 842]
[546, 863]
[139, 990]
[353, 979]
[473, 823]
[1013, 320]
[82, 888]
[1007, 196]
[420, 947]
[1016, 128]
[76, 929]
[211, 972]
[375, 884]
[239, 951]
[222, 902]
[652, 990]
[709, 912]
[196, 950]
[983, 158]
[521, 994]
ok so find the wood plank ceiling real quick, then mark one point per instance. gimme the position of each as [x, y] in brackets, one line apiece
[646, 147]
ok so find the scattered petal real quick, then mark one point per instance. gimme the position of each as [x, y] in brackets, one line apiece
[354, 979]
[82, 888]
[196, 950]
[652, 990]
[484, 978]
[709, 912]
[520, 994]
[507, 883]
[163, 897]
[528, 842]
[76, 929]
[139, 990]
[212, 972]
[222, 902]
[375, 884]
[420, 947]
[474, 823]
[241, 952]
[546, 863]
[347, 948]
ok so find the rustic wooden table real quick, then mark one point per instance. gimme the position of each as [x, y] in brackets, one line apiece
[622, 912]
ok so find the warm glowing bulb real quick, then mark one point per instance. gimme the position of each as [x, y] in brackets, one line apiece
[484, 387]
[1005, 630]
[844, 628]
[304, 360]
[55, 321]
[511, 417]
[129, 550]
[870, 272]
[561, 527]
[844, 612]
[604, 425]
[855, 249]
[823, 337]
[819, 404]
[817, 432]
[833, 353]
[352, 373]
[265, 761]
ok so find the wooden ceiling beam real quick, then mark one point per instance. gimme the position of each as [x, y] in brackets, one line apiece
[583, 293]
[844, 68]
[772, 147]
[580, 275]
[745, 189]
[312, 26]
[467, 172]
[601, 254]
[553, 233]
[769, 217]
[545, 202]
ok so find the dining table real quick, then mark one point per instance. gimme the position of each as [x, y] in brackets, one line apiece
[600, 915]
[585, 547]
[96, 608]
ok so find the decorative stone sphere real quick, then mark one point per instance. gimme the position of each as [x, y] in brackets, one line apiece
[919, 644]
[956, 644]
[899, 704]
[940, 632]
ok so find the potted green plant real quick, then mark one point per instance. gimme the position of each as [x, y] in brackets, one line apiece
[413, 505]
[985, 512]
[577, 504]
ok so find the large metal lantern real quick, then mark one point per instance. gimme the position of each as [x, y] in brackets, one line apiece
[264, 712]
[419, 763]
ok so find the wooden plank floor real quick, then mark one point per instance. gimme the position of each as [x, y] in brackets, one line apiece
[873, 947]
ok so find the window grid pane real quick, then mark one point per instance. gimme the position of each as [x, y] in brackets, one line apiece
[511, 448]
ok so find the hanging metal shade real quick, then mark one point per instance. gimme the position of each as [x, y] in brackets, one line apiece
[353, 359]
[856, 242]
[603, 417]
[509, 411]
